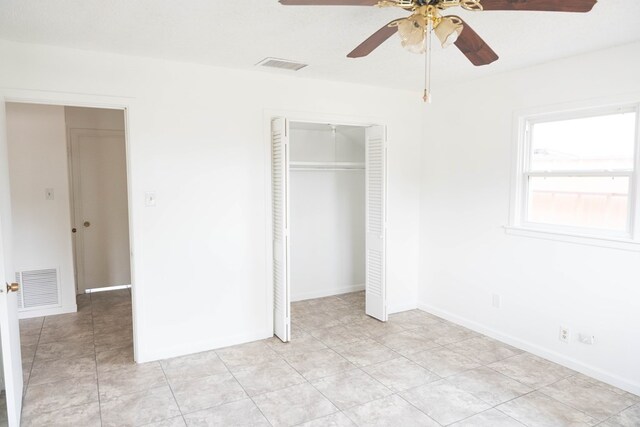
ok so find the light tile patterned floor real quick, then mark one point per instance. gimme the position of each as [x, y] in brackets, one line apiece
[342, 368]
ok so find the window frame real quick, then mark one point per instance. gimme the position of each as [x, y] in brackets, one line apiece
[521, 174]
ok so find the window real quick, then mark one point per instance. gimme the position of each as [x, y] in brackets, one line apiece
[577, 173]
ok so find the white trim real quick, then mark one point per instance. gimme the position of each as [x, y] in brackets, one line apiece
[127, 105]
[634, 186]
[208, 344]
[520, 172]
[399, 308]
[326, 292]
[328, 166]
[605, 242]
[561, 359]
[106, 289]
[580, 174]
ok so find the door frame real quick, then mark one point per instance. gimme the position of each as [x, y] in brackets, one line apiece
[78, 243]
[298, 117]
[69, 99]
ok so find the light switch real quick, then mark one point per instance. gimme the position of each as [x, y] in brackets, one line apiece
[150, 199]
[48, 194]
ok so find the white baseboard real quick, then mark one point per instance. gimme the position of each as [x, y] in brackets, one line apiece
[28, 314]
[397, 308]
[198, 347]
[326, 292]
[576, 365]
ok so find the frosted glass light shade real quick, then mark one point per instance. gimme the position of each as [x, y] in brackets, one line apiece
[412, 32]
[448, 31]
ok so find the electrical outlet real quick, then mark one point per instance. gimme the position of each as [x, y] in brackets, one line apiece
[564, 334]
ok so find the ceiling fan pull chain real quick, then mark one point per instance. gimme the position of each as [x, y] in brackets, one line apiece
[427, 63]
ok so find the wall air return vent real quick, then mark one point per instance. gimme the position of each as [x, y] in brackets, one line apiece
[282, 64]
[38, 289]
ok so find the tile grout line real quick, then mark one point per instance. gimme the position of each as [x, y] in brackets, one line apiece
[330, 348]
[420, 410]
[33, 362]
[361, 369]
[243, 389]
[316, 389]
[486, 365]
[533, 390]
[95, 358]
[570, 405]
[376, 339]
[33, 359]
[507, 415]
[521, 352]
[172, 393]
[447, 346]
[469, 416]
[482, 364]
[56, 381]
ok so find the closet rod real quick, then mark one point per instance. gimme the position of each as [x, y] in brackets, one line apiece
[326, 165]
[298, 168]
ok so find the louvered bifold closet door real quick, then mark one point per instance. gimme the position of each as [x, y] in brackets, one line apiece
[280, 218]
[376, 180]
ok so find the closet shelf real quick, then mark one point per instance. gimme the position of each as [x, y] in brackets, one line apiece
[326, 166]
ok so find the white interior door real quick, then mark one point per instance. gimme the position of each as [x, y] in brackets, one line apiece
[9, 327]
[376, 186]
[101, 217]
[11, 358]
[280, 218]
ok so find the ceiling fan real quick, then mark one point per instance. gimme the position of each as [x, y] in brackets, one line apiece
[426, 18]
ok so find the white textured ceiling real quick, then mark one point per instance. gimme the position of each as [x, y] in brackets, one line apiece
[239, 33]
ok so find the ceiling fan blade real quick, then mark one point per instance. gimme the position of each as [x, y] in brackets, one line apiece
[540, 5]
[329, 2]
[375, 40]
[473, 47]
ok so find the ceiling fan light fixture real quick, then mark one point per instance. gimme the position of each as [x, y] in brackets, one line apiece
[412, 32]
[448, 31]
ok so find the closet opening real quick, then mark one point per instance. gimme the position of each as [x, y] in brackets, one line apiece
[328, 218]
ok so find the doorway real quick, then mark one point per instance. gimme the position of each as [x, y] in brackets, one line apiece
[328, 199]
[60, 162]
[327, 210]
[100, 222]
[69, 202]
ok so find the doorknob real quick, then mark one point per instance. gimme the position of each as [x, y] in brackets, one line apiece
[14, 287]
[73, 230]
[86, 223]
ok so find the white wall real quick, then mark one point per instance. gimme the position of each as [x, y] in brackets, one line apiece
[327, 214]
[37, 146]
[198, 137]
[466, 255]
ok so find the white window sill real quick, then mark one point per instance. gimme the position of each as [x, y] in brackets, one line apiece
[605, 242]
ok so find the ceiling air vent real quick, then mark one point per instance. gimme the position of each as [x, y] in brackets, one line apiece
[282, 64]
